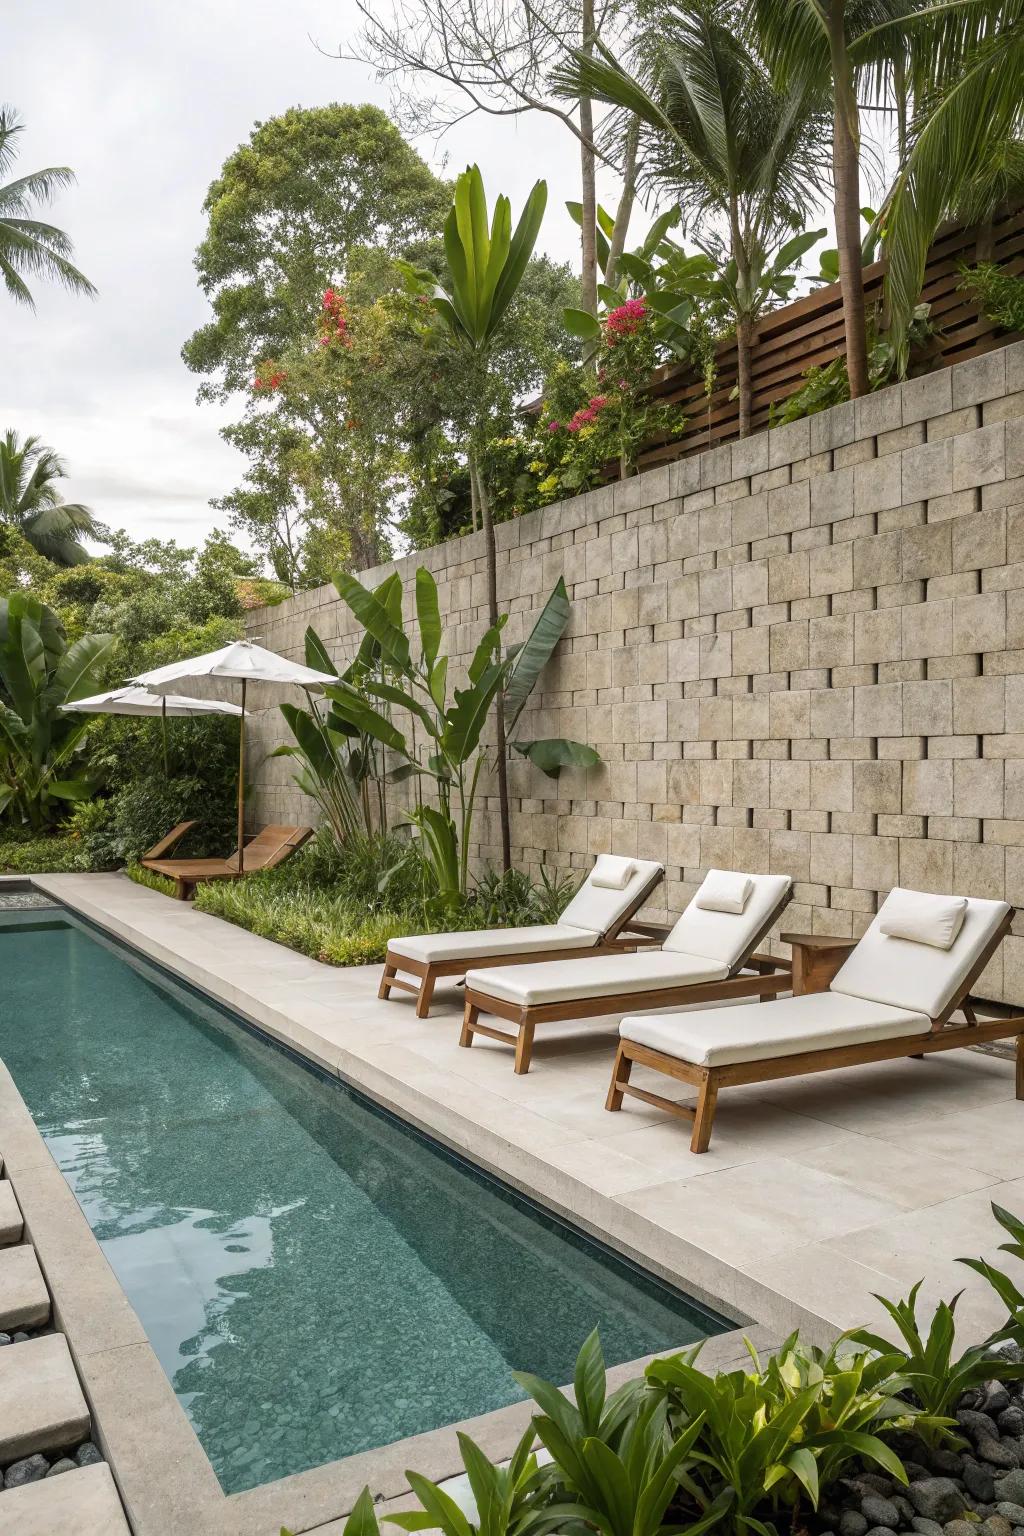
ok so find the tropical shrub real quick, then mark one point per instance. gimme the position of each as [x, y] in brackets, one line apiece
[1006, 1289]
[830, 385]
[441, 746]
[998, 294]
[39, 746]
[54, 855]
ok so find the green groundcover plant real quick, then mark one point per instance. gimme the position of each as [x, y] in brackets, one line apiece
[679, 1451]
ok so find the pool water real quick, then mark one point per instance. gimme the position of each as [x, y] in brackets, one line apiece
[316, 1278]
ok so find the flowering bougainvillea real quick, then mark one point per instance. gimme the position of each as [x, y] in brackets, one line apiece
[269, 376]
[577, 443]
[334, 320]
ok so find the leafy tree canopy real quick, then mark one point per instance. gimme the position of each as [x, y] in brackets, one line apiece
[285, 216]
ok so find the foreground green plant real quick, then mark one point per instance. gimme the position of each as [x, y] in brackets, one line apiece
[1006, 1289]
[925, 1365]
[55, 855]
[151, 880]
[998, 294]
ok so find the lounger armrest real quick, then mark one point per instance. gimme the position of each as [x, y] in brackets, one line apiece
[166, 843]
[764, 962]
[658, 932]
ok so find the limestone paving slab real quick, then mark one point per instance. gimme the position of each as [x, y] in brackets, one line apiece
[24, 1299]
[11, 1224]
[80, 1503]
[41, 1402]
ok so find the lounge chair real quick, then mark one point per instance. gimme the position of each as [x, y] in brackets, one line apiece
[893, 997]
[598, 919]
[268, 849]
[165, 844]
[709, 954]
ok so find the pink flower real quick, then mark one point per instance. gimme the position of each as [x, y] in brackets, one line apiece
[597, 401]
[553, 426]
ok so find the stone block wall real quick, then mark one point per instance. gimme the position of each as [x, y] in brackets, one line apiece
[801, 652]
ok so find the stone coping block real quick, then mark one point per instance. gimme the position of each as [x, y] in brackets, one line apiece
[24, 1299]
[80, 1503]
[11, 1224]
[41, 1402]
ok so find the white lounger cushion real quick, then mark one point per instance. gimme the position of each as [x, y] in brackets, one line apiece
[601, 909]
[432, 948]
[728, 936]
[918, 976]
[557, 981]
[787, 1026]
[934, 920]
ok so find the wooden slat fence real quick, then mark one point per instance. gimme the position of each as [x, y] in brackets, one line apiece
[809, 333]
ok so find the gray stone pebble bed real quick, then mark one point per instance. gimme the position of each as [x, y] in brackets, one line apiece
[972, 1486]
[32, 1469]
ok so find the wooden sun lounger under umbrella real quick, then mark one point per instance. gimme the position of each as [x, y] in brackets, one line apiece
[268, 849]
[894, 997]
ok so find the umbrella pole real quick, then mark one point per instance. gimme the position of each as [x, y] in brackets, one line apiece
[163, 731]
[241, 780]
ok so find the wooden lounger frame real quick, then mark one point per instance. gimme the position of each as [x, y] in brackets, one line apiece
[264, 852]
[709, 1080]
[623, 937]
[753, 975]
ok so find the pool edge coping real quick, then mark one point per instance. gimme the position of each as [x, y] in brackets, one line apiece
[162, 1472]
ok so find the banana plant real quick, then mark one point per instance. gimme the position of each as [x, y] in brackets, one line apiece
[486, 265]
[442, 745]
[340, 765]
[40, 672]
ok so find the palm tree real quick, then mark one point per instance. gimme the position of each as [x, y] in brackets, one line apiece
[822, 45]
[729, 143]
[966, 142]
[31, 502]
[28, 247]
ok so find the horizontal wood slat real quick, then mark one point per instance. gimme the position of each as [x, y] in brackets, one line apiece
[809, 334]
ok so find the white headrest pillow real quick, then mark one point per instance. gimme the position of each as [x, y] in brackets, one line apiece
[611, 872]
[922, 919]
[722, 890]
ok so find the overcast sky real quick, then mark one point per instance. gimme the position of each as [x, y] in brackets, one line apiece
[145, 102]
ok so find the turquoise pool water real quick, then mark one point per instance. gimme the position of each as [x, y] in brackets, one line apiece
[316, 1278]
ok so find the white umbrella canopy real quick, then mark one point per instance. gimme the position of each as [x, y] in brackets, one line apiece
[245, 662]
[136, 700]
[242, 661]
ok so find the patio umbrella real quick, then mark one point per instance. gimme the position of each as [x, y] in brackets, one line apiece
[244, 662]
[135, 700]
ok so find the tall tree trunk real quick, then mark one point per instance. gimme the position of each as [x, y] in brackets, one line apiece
[744, 339]
[846, 177]
[588, 175]
[624, 211]
[500, 746]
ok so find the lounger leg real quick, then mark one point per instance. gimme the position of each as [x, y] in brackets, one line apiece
[524, 1046]
[704, 1114]
[385, 982]
[425, 995]
[469, 1017]
[181, 890]
[1020, 1066]
[620, 1076]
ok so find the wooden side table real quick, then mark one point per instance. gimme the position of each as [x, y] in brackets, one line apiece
[816, 959]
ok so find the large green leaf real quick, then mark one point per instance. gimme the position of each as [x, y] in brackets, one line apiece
[363, 1519]
[352, 707]
[552, 754]
[81, 665]
[534, 655]
[519, 253]
[466, 720]
[374, 617]
[428, 613]
[71, 789]
[580, 322]
[317, 655]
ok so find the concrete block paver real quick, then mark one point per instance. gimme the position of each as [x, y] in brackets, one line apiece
[10, 1215]
[24, 1299]
[41, 1403]
[82, 1503]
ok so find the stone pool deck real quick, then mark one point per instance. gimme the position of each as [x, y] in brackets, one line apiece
[815, 1193]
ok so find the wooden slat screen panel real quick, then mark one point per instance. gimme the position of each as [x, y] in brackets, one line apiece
[809, 333]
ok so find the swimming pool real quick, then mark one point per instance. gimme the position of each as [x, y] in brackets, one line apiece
[315, 1277]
